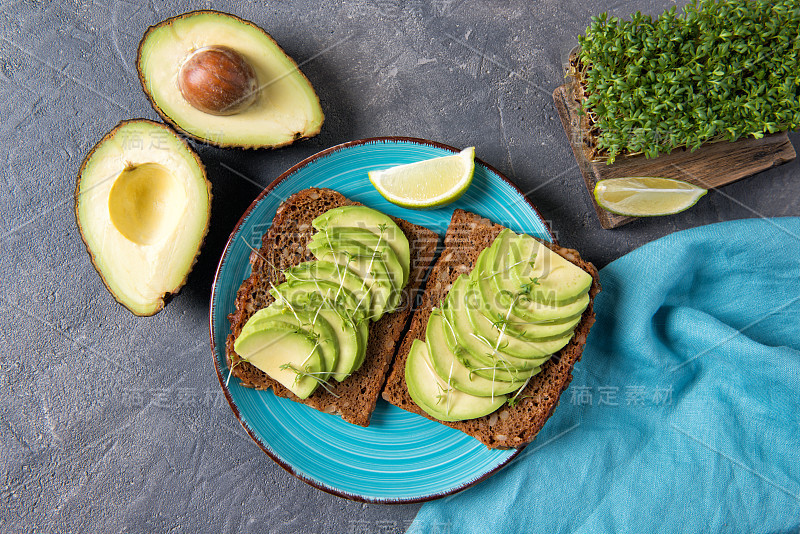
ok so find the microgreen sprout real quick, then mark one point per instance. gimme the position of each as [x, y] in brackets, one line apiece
[503, 271]
[719, 71]
[314, 337]
[526, 289]
[444, 394]
[516, 399]
[313, 375]
[230, 371]
[285, 301]
[258, 253]
[336, 263]
[450, 385]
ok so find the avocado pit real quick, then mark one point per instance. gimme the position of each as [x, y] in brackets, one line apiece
[218, 80]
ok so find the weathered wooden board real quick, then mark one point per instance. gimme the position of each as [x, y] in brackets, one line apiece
[709, 166]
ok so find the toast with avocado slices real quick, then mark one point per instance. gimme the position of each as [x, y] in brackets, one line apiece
[501, 323]
[330, 294]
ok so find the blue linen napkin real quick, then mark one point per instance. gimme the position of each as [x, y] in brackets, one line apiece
[684, 412]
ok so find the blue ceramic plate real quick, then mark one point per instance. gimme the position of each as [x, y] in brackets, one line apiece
[400, 457]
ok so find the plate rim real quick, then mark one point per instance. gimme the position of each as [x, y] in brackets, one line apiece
[272, 185]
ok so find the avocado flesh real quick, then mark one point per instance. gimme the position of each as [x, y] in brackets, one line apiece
[368, 266]
[515, 260]
[559, 281]
[397, 269]
[452, 370]
[285, 109]
[312, 323]
[332, 303]
[498, 302]
[529, 349]
[142, 203]
[371, 220]
[363, 336]
[307, 294]
[533, 332]
[351, 338]
[484, 359]
[347, 340]
[349, 343]
[326, 271]
[436, 397]
[517, 339]
[281, 350]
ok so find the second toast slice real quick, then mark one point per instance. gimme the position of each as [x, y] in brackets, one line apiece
[510, 426]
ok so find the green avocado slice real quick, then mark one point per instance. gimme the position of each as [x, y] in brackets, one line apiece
[496, 302]
[362, 329]
[343, 278]
[523, 331]
[452, 370]
[440, 400]
[559, 280]
[518, 260]
[538, 349]
[351, 344]
[478, 354]
[315, 326]
[368, 265]
[369, 219]
[286, 354]
[311, 294]
[371, 242]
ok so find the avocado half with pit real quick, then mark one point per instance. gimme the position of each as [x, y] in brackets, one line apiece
[224, 81]
[142, 203]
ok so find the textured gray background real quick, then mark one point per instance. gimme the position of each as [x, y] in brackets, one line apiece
[111, 423]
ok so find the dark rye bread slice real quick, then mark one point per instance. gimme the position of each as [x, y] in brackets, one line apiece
[509, 427]
[283, 246]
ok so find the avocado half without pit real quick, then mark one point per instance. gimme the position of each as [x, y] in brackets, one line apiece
[224, 81]
[143, 203]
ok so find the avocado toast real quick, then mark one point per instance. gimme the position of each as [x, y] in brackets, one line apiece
[504, 426]
[286, 245]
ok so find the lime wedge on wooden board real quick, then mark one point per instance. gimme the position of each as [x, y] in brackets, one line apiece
[646, 196]
[426, 184]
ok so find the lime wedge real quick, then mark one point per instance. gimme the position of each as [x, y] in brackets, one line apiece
[645, 196]
[426, 184]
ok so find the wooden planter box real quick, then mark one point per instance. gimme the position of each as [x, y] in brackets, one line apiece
[712, 165]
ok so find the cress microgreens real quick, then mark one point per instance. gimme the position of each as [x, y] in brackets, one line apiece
[313, 375]
[719, 71]
[516, 399]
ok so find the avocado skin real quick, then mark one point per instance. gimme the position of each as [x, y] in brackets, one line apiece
[170, 294]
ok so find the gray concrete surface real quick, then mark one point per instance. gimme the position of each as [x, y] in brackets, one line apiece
[111, 423]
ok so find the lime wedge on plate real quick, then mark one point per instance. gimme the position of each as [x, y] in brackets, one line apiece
[426, 184]
[645, 196]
